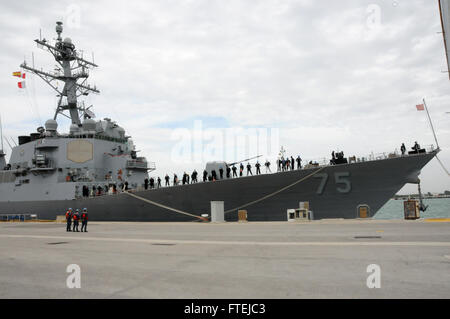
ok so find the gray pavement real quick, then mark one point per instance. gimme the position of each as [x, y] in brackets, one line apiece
[320, 259]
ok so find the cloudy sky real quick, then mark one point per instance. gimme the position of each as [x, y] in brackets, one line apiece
[318, 75]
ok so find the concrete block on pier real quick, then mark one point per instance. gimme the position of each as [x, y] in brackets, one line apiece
[217, 212]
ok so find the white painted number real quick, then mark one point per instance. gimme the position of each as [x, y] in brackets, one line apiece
[341, 179]
[323, 182]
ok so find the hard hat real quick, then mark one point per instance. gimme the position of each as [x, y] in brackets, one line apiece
[84, 208]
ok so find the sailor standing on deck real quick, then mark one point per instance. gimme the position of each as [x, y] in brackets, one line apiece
[69, 219]
[167, 178]
[152, 183]
[403, 149]
[84, 220]
[249, 169]
[228, 171]
[257, 165]
[241, 169]
[205, 175]
[299, 162]
[234, 169]
[159, 182]
[267, 164]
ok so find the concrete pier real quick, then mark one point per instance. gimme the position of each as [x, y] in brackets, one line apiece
[318, 259]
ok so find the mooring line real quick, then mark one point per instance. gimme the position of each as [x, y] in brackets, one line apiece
[164, 206]
[443, 167]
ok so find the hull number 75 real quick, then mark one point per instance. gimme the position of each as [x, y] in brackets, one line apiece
[341, 180]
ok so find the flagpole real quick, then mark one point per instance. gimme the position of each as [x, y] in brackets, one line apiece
[1, 134]
[431, 124]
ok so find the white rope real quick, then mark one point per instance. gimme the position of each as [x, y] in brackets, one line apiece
[442, 165]
[163, 206]
[276, 192]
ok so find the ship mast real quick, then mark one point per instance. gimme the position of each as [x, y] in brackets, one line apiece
[73, 68]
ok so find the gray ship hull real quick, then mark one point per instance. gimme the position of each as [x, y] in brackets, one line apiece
[334, 192]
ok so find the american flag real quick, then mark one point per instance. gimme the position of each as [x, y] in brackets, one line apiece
[420, 107]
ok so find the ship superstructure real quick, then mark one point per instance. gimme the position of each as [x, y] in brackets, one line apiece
[94, 156]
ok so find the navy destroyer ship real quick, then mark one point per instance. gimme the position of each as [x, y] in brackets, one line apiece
[50, 171]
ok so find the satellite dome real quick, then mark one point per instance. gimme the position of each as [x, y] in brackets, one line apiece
[51, 125]
[89, 125]
[121, 131]
[67, 40]
[74, 128]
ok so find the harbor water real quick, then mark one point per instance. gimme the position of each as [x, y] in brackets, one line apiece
[437, 208]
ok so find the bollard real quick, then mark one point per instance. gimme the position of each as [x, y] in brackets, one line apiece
[242, 215]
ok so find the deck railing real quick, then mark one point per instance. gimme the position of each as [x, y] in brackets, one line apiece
[371, 157]
[318, 162]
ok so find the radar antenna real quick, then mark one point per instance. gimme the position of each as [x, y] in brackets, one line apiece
[73, 67]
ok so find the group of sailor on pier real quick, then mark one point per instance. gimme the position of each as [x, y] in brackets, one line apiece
[74, 218]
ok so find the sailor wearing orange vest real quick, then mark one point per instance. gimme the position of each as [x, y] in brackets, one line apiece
[76, 218]
[69, 219]
[84, 220]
